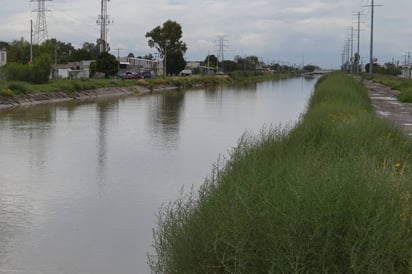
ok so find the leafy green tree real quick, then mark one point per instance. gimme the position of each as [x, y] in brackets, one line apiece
[247, 63]
[211, 60]
[41, 69]
[167, 41]
[58, 51]
[89, 51]
[229, 66]
[107, 64]
[4, 44]
[93, 69]
[37, 73]
[18, 51]
[310, 68]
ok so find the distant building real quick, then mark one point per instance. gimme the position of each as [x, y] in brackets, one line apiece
[406, 72]
[3, 56]
[73, 70]
[140, 65]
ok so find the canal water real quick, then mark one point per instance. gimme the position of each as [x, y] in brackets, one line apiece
[81, 183]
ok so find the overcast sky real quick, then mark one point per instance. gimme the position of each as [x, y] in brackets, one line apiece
[273, 30]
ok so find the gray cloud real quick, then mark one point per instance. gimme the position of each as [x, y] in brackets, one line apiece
[271, 29]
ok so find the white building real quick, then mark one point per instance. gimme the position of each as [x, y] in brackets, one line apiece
[140, 65]
[73, 70]
[3, 56]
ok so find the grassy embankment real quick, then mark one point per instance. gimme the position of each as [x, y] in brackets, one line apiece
[404, 86]
[333, 195]
[9, 89]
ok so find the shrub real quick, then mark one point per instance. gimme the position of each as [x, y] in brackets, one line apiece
[18, 87]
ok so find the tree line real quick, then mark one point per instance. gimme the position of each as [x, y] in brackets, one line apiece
[165, 38]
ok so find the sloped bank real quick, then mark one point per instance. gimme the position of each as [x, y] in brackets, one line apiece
[333, 195]
[16, 94]
[60, 96]
[13, 94]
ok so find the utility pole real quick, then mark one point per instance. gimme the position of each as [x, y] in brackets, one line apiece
[357, 57]
[31, 41]
[118, 53]
[372, 6]
[351, 50]
[41, 34]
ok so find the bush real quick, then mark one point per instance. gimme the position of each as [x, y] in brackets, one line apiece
[37, 73]
[18, 87]
[6, 92]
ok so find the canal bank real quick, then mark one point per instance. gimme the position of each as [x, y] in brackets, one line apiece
[331, 196]
[79, 96]
[17, 94]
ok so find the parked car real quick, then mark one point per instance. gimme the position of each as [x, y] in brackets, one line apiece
[146, 75]
[131, 75]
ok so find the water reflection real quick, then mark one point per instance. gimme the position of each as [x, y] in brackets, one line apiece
[80, 183]
[104, 110]
[165, 118]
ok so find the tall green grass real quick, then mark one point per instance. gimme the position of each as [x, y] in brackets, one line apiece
[333, 195]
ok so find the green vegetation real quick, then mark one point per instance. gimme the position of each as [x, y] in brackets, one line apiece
[36, 73]
[333, 195]
[404, 86]
[11, 88]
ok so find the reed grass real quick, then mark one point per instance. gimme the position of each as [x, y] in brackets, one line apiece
[331, 195]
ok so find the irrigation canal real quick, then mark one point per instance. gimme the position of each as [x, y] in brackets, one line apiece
[81, 183]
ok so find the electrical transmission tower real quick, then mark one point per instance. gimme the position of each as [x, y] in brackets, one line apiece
[40, 33]
[221, 44]
[104, 21]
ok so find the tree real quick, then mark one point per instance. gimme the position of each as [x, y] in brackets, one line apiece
[41, 69]
[37, 73]
[310, 68]
[130, 55]
[211, 61]
[18, 51]
[107, 64]
[89, 51]
[148, 56]
[167, 41]
[229, 66]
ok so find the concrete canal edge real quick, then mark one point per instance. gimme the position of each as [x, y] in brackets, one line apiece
[59, 97]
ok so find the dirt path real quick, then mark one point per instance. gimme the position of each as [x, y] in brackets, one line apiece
[387, 105]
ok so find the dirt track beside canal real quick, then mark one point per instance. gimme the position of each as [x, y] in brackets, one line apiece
[387, 105]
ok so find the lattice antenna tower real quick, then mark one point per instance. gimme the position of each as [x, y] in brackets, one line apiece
[103, 21]
[40, 31]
